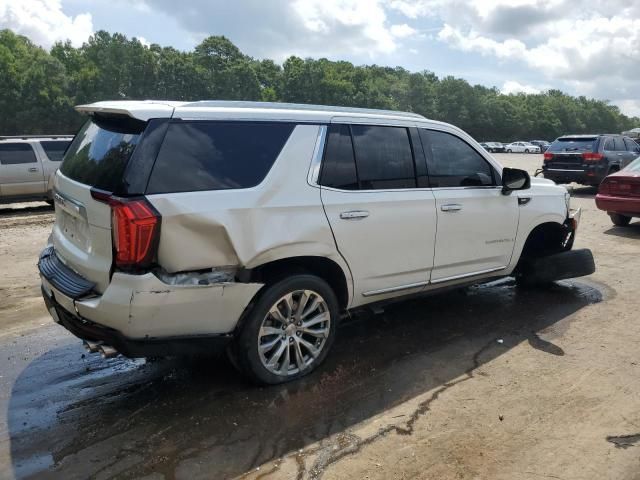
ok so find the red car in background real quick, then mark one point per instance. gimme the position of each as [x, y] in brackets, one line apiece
[619, 194]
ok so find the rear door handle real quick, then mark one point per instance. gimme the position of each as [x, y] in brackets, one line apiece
[354, 215]
[33, 169]
[452, 207]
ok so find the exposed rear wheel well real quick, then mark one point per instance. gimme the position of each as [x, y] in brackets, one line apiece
[322, 267]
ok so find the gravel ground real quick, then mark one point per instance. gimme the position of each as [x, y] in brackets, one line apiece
[489, 382]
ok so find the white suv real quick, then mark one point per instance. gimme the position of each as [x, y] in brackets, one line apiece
[252, 227]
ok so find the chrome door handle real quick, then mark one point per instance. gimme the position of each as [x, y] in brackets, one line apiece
[354, 214]
[452, 207]
[33, 169]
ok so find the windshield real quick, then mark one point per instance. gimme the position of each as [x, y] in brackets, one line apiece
[100, 151]
[572, 145]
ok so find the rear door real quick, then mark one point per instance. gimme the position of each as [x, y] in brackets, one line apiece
[21, 171]
[380, 209]
[477, 224]
[97, 158]
[52, 151]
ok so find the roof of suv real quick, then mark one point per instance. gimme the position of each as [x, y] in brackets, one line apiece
[147, 109]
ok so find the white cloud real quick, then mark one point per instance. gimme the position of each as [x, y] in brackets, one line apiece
[512, 86]
[402, 30]
[44, 22]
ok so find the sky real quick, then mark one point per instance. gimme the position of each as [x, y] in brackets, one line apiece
[582, 47]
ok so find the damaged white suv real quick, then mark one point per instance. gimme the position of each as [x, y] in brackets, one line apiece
[188, 228]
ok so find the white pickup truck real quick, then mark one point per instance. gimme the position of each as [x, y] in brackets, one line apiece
[253, 227]
[27, 165]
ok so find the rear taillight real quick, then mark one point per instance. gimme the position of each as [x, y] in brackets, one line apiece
[136, 226]
[548, 156]
[592, 156]
[135, 229]
[605, 187]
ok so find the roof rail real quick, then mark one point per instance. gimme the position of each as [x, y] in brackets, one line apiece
[27, 137]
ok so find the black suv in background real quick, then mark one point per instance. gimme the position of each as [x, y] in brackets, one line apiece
[587, 159]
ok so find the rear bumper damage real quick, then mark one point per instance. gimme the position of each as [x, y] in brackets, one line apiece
[138, 314]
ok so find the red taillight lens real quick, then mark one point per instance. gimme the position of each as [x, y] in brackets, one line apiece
[592, 157]
[548, 156]
[605, 187]
[135, 226]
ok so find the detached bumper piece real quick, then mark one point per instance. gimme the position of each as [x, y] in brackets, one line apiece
[106, 338]
[62, 277]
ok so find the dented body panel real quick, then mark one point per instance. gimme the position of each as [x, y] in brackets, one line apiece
[143, 307]
[250, 227]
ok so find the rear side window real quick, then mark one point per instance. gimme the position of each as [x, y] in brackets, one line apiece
[101, 150]
[198, 156]
[383, 157]
[572, 145]
[339, 165]
[609, 145]
[16, 153]
[619, 143]
[454, 163]
[54, 149]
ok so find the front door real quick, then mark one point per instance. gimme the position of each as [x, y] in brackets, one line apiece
[477, 224]
[383, 223]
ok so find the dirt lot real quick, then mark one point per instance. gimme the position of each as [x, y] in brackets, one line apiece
[490, 382]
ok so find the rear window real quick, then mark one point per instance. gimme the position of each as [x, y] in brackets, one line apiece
[573, 145]
[16, 153]
[54, 149]
[198, 156]
[101, 150]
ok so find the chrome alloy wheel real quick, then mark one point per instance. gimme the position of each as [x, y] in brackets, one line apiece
[294, 332]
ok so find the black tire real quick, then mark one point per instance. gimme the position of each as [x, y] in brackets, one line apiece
[559, 266]
[526, 150]
[509, 150]
[619, 220]
[245, 347]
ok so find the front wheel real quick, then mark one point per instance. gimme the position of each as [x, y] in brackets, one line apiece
[619, 220]
[288, 331]
[508, 150]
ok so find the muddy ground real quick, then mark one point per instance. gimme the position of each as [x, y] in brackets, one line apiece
[489, 382]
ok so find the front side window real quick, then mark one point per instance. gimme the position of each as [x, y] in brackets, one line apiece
[16, 153]
[204, 155]
[631, 145]
[54, 149]
[454, 163]
[383, 157]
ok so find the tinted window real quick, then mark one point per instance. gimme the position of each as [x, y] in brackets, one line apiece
[572, 145]
[383, 157]
[54, 149]
[631, 145]
[100, 151]
[216, 155]
[16, 153]
[339, 166]
[619, 143]
[609, 145]
[453, 162]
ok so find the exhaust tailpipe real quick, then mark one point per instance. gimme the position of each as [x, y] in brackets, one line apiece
[108, 352]
[92, 347]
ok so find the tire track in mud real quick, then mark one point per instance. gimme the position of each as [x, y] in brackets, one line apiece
[347, 444]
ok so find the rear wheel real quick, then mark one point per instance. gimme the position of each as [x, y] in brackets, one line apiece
[619, 220]
[288, 331]
[526, 150]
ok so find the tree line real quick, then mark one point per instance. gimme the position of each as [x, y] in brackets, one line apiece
[39, 88]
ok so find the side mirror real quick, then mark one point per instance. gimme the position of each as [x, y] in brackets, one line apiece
[514, 179]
